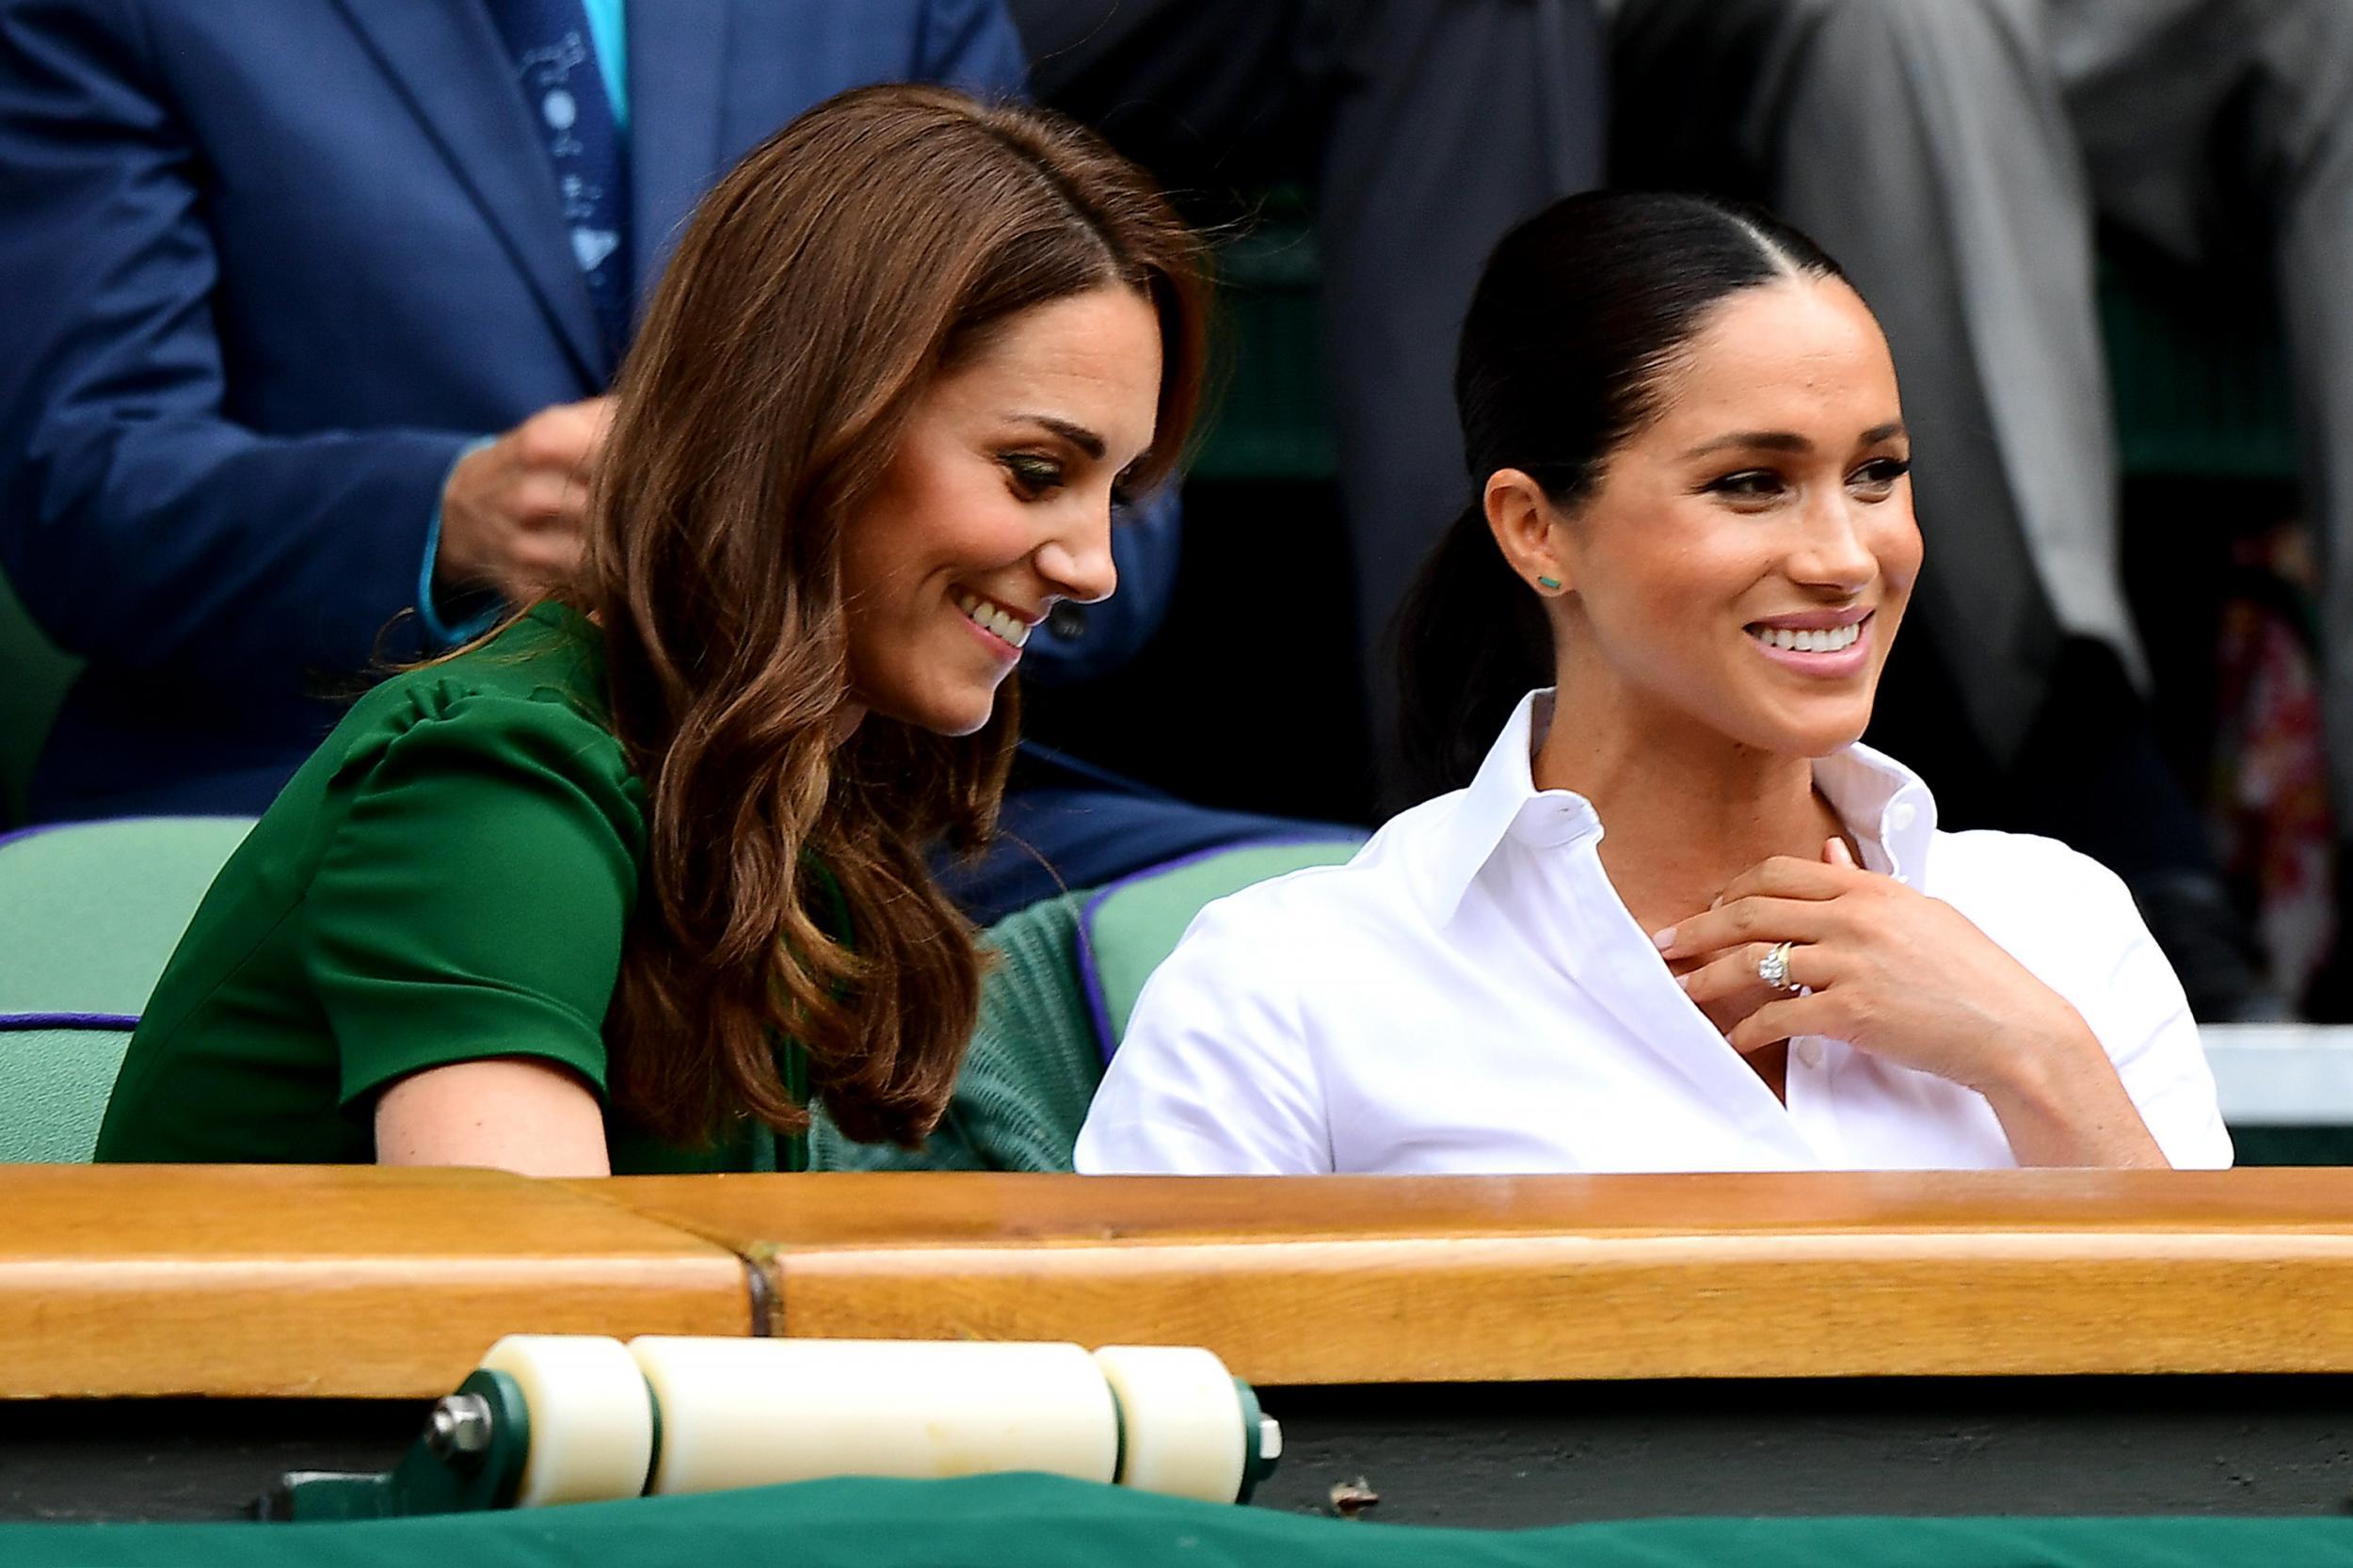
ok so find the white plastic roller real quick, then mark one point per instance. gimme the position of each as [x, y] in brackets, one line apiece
[591, 1435]
[757, 1411]
[1183, 1429]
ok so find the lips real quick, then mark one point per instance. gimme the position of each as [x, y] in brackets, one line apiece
[1829, 639]
[995, 618]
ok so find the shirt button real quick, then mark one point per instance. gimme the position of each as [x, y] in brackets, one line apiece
[1809, 1052]
[1902, 815]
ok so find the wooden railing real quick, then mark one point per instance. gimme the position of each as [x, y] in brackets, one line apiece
[145, 1281]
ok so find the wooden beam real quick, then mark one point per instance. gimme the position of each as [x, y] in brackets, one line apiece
[1341, 1280]
[322, 1280]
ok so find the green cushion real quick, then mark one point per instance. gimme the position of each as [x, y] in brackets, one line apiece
[1031, 1069]
[90, 911]
[53, 1083]
[1032, 1521]
[1132, 926]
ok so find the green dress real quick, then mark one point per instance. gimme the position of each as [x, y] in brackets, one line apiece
[446, 879]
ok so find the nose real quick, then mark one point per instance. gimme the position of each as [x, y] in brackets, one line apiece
[1077, 563]
[1833, 548]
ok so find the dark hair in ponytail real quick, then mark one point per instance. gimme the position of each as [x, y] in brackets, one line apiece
[1578, 312]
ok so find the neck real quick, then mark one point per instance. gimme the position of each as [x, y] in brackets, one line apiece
[1687, 808]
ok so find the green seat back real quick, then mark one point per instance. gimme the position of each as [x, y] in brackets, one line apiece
[1030, 1071]
[89, 911]
[1131, 926]
[54, 1077]
[34, 675]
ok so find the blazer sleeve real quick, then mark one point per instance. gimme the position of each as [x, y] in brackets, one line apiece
[140, 522]
[971, 46]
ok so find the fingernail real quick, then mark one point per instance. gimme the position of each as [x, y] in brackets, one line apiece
[1664, 938]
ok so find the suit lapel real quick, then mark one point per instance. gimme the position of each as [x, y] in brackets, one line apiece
[451, 66]
[676, 93]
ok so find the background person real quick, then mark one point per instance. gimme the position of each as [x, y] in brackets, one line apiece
[234, 447]
[1423, 129]
[1694, 514]
[632, 882]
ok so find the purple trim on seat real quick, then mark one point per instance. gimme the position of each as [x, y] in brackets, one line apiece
[33, 832]
[18, 1023]
[1090, 979]
[37, 829]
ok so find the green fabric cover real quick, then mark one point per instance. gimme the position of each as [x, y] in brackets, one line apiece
[89, 911]
[53, 1091]
[1134, 925]
[1048, 1522]
[1031, 1069]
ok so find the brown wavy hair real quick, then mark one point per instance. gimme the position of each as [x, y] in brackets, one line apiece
[817, 292]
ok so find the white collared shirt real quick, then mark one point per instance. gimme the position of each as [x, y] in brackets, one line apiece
[1469, 995]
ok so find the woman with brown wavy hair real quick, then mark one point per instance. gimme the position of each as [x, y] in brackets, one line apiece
[631, 881]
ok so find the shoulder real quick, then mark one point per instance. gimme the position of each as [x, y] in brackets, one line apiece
[2053, 907]
[524, 711]
[1292, 930]
[2003, 868]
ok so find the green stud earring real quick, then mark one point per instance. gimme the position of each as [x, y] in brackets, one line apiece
[1550, 584]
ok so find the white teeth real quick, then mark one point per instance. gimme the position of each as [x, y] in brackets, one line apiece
[1827, 640]
[993, 618]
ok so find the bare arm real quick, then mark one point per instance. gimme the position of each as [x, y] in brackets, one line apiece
[507, 1113]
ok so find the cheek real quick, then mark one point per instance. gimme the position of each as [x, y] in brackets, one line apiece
[969, 526]
[920, 537]
[1899, 548]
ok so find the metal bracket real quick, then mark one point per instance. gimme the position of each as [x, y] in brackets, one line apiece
[468, 1458]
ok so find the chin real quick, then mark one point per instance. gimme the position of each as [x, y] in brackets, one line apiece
[954, 716]
[1821, 737]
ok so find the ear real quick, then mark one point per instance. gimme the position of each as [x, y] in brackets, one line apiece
[1523, 522]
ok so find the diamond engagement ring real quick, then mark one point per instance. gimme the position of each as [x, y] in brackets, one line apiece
[1773, 969]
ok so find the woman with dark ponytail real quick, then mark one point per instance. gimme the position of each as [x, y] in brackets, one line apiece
[1690, 519]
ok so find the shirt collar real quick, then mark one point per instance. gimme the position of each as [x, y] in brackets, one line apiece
[1884, 803]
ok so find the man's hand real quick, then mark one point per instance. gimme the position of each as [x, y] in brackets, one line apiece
[513, 512]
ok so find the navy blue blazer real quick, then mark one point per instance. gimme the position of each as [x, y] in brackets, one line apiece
[267, 266]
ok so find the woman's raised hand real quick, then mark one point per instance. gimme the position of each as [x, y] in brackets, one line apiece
[1907, 977]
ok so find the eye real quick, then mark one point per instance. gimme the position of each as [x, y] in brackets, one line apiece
[1749, 484]
[1880, 475]
[1032, 476]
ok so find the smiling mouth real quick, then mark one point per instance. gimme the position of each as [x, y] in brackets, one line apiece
[1827, 639]
[993, 617]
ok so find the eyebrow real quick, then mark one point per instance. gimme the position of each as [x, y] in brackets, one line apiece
[1078, 435]
[1786, 440]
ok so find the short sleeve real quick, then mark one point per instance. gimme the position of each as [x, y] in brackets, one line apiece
[1215, 1075]
[2073, 923]
[471, 904]
[2141, 1015]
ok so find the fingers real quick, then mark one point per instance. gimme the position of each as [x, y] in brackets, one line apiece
[1786, 877]
[1748, 919]
[564, 440]
[1732, 975]
[1785, 1020]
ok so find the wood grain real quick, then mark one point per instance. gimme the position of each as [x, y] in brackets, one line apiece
[1344, 1280]
[329, 1281]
